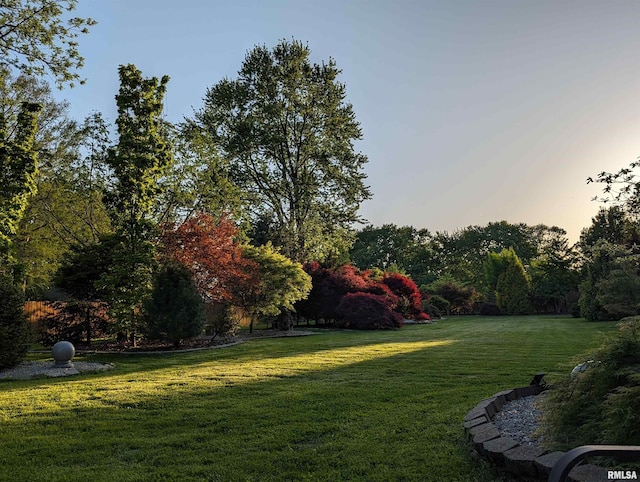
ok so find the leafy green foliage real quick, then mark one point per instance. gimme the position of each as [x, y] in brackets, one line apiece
[554, 278]
[435, 306]
[619, 291]
[622, 188]
[600, 405]
[610, 284]
[139, 160]
[35, 39]
[127, 283]
[286, 126]
[463, 253]
[599, 267]
[18, 169]
[506, 277]
[66, 206]
[199, 181]
[407, 248]
[14, 332]
[459, 296]
[611, 225]
[142, 155]
[222, 320]
[174, 311]
[82, 268]
[512, 290]
[280, 282]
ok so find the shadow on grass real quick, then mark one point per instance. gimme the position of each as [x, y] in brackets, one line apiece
[345, 406]
[374, 419]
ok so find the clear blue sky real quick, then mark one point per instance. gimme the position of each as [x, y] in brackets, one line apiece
[471, 111]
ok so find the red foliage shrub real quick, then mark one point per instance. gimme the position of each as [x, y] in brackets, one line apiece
[333, 292]
[366, 311]
[383, 290]
[328, 289]
[410, 300]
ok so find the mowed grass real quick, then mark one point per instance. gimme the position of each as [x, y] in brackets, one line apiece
[374, 406]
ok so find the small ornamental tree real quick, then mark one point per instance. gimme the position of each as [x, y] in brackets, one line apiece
[174, 311]
[512, 290]
[280, 282]
[366, 311]
[410, 299]
[459, 296]
[79, 275]
[213, 256]
[14, 331]
[328, 288]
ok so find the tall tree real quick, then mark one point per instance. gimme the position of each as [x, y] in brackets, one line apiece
[611, 224]
[139, 160]
[199, 180]
[67, 209]
[35, 38]
[463, 253]
[18, 168]
[66, 206]
[512, 290]
[289, 131]
[506, 278]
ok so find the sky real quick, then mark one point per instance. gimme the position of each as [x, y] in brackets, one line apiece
[471, 111]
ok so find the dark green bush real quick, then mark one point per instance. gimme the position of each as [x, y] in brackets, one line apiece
[490, 309]
[432, 310]
[222, 320]
[435, 306]
[14, 330]
[600, 405]
[76, 321]
[174, 311]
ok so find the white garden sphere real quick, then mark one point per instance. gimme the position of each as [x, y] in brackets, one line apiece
[63, 352]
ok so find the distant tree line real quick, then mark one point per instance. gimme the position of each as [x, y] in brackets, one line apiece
[510, 268]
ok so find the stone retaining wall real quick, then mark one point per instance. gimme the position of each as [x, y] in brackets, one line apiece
[526, 462]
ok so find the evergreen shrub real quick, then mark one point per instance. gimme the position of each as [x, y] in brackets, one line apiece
[490, 309]
[174, 311]
[15, 334]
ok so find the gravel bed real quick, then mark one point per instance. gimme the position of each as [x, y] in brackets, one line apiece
[34, 369]
[518, 419]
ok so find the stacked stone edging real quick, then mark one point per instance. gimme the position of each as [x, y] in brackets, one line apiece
[528, 462]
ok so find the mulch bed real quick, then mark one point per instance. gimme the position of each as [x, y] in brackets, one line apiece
[150, 346]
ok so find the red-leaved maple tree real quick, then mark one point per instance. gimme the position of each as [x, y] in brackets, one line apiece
[210, 251]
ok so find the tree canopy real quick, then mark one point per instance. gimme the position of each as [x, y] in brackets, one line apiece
[289, 132]
[35, 39]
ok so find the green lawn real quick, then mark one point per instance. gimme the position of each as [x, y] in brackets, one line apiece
[333, 406]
